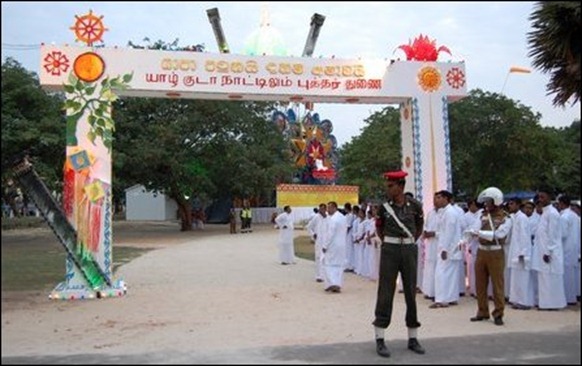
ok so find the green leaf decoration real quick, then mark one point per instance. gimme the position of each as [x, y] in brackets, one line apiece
[72, 78]
[127, 78]
[97, 108]
[69, 89]
[71, 140]
[91, 136]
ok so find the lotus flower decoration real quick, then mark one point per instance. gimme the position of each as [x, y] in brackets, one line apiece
[422, 49]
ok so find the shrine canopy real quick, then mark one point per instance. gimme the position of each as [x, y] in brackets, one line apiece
[201, 75]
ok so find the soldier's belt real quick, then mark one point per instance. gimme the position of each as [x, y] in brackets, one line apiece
[398, 240]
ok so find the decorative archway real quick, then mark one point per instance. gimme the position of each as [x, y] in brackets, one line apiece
[93, 78]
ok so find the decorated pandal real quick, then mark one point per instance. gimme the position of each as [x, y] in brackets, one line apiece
[312, 146]
[98, 76]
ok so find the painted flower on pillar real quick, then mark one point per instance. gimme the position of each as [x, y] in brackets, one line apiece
[456, 78]
[56, 63]
[429, 79]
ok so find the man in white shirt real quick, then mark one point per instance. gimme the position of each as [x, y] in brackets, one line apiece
[472, 221]
[571, 242]
[548, 255]
[318, 226]
[430, 256]
[520, 293]
[449, 254]
[334, 249]
[285, 224]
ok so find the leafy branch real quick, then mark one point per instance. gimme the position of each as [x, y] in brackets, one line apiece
[96, 100]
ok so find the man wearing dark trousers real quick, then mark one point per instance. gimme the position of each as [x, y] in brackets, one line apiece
[401, 223]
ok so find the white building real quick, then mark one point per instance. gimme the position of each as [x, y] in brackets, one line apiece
[148, 206]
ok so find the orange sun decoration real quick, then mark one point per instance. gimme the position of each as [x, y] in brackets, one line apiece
[89, 28]
[89, 67]
[429, 79]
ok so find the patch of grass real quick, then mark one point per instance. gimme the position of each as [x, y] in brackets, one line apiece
[12, 223]
[40, 267]
[304, 248]
[32, 267]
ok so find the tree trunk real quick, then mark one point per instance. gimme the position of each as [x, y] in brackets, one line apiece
[185, 212]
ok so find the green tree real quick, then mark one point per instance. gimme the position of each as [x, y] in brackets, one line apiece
[554, 45]
[377, 149]
[32, 122]
[497, 142]
[494, 141]
[197, 148]
[565, 172]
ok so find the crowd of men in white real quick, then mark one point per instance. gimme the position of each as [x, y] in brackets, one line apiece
[348, 241]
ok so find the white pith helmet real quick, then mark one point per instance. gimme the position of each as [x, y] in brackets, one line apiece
[493, 193]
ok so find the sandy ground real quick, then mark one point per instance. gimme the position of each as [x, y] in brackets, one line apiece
[199, 291]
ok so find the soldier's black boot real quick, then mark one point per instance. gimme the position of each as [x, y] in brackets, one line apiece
[415, 347]
[381, 348]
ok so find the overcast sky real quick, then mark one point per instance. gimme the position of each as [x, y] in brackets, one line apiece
[489, 36]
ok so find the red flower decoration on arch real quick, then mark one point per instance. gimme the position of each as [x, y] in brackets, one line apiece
[422, 49]
[456, 78]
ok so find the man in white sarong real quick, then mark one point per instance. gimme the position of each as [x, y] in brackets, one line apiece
[371, 244]
[462, 275]
[318, 226]
[448, 253]
[350, 217]
[285, 224]
[571, 243]
[430, 253]
[548, 255]
[359, 240]
[529, 209]
[520, 293]
[472, 221]
[334, 249]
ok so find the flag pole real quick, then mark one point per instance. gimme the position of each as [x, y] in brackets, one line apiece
[505, 82]
[512, 69]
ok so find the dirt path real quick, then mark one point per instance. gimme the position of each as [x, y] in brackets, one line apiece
[199, 291]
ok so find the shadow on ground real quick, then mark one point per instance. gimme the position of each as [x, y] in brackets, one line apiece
[548, 348]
